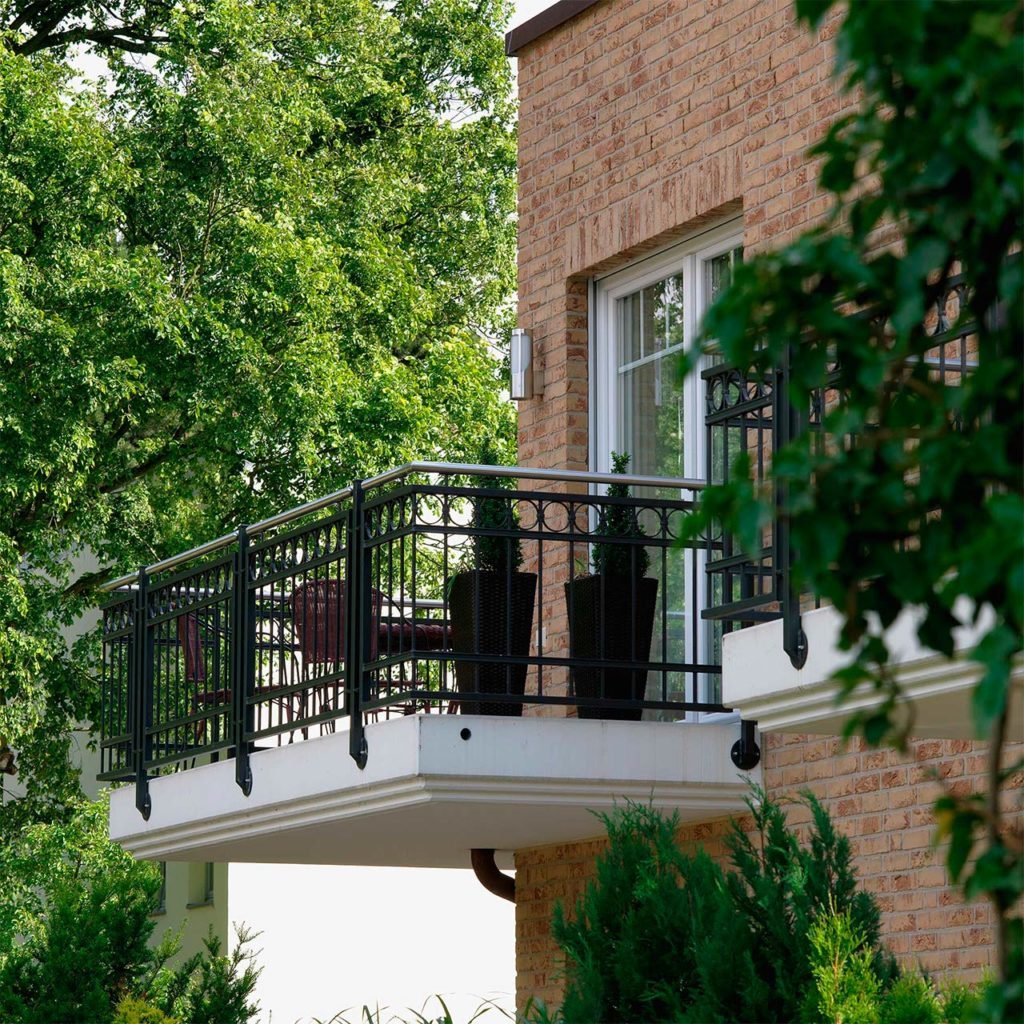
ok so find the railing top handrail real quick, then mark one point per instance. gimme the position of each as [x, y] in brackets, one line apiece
[534, 473]
[390, 476]
[169, 563]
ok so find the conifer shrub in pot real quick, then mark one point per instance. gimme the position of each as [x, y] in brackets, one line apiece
[611, 610]
[490, 603]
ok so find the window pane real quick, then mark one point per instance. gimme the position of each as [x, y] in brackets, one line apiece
[651, 417]
[673, 301]
[653, 317]
[650, 320]
[719, 271]
[629, 331]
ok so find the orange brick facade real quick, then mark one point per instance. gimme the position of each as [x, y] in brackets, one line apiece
[640, 122]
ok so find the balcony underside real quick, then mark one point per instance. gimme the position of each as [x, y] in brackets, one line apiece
[428, 796]
[759, 681]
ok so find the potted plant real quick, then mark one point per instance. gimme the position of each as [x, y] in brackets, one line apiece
[491, 603]
[611, 610]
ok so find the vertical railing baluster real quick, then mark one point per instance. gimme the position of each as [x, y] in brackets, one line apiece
[790, 423]
[357, 597]
[141, 701]
[242, 661]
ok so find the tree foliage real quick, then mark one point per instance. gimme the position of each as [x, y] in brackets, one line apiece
[242, 269]
[926, 509]
[76, 923]
[211, 987]
[75, 920]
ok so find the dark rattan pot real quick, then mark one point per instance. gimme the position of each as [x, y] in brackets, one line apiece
[484, 622]
[611, 618]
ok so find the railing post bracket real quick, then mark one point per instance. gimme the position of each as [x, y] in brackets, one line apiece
[141, 695]
[362, 753]
[356, 629]
[745, 753]
[243, 662]
[795, 640]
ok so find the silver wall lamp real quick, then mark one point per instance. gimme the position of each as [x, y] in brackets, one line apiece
[525, 379]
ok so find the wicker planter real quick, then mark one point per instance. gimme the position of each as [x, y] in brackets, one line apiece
[484, 621]
[610, 618]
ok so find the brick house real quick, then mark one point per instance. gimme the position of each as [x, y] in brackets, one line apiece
[658, 137]
[290, 667]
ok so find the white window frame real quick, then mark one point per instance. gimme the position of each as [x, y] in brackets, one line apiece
[688, 258]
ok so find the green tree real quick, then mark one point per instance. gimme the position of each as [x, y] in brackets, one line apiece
[76, 923]
[235, 273]
[926, 509]
[211, 987]
[75, 920]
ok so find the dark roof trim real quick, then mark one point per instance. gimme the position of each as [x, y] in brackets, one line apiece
[553, 16]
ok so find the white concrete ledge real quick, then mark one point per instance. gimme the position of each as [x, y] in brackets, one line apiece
[759, 681]
[427, 796]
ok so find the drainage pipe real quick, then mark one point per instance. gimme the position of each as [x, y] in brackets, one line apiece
[493, 880]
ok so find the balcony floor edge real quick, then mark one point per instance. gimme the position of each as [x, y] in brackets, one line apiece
[427, 796]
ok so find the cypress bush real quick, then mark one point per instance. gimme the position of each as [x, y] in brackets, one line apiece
[661, 935]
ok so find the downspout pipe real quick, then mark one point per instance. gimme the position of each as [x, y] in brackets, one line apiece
[487, 873]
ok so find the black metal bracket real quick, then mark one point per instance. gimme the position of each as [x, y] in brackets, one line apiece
[745, 753]
[794, 639]
[140, 705]
[357, 625]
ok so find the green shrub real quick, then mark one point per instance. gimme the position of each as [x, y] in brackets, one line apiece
[632, 930]
[662, 935]
[84, 921]
[211, 988]
[494, 512]
[959, 1002]
[139, 1011]
[75, 929]
[911, 1000]
[781, 888]
[619, 522]
[844, 988]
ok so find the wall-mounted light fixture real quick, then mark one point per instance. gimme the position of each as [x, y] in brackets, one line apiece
[525, 381]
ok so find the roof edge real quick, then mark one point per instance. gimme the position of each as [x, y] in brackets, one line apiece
[551, 17]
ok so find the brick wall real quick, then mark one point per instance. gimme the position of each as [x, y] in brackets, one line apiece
[881, 799]
[640, 122]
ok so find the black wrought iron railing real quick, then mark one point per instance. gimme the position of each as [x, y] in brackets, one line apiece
[430, 589]
[753, 413]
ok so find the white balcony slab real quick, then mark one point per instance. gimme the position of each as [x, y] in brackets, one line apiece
[759, 681]
[427, 796]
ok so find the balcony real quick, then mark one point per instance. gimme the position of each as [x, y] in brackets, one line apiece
[780, 652]
[476, 657]
[763, 684]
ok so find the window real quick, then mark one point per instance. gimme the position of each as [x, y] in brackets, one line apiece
[645, 316]
[200, 885]
[162, 895]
